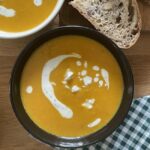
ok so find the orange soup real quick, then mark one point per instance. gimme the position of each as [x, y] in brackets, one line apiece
[21, 15]
[71, 86]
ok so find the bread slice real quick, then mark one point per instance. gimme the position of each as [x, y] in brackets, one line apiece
[119, 20]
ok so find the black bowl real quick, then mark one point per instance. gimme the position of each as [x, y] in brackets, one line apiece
[71, 142]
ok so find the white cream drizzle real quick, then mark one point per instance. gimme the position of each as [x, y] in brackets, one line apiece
[83, 72]
[96, 79]
[75, 89]
[53, 83]
[94, 123]
[85, 64]
[48, 89]
[6, 12]
[29, 89]
[38, 2]
[68, 75]
[105, 76]
[88, 103]
[78, 63]
[100, 83]
[87, 80]
[64, 82]
[96, 68]
[67, 87]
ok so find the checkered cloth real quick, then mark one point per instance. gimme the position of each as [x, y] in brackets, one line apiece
[133, 133]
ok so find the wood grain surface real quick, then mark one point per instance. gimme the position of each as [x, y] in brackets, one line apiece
[12, 135]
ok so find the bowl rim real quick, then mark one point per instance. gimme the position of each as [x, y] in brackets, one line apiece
[44, 23]
[61, 142]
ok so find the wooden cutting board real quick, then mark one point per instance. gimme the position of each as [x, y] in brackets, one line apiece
[69, 15]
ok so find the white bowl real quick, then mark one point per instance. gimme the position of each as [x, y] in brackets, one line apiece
[15, 35]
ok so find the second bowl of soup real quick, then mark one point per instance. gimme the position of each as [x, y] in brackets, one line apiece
[71, 87]
[19, 18]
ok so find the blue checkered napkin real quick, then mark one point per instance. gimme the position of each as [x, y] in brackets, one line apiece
[133, 134]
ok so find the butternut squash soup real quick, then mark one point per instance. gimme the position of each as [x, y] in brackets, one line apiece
[71, 86]
[21, 15]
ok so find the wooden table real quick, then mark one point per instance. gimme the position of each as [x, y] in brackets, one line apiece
[12, 134]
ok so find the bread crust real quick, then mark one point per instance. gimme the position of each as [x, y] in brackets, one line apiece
[139, 22]
[120, 42]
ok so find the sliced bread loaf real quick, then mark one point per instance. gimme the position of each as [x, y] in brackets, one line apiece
[119, 20]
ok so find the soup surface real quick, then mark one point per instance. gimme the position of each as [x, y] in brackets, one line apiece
[71, 86]
[21, 15]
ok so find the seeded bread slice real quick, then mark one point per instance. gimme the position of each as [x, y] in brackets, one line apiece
[119, 20]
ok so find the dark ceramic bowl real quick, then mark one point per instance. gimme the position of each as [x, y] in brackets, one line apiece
[74, 142]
